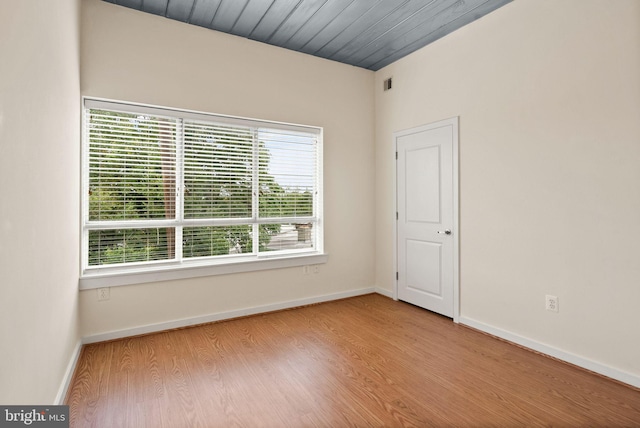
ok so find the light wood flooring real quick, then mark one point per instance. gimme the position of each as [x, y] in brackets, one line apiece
[362, 362]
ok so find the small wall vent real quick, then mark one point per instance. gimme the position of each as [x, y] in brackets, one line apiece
[387, 84]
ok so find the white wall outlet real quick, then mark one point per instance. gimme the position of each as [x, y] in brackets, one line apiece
[306, 270]
[551, 303]
[104, 293]
[316, 269]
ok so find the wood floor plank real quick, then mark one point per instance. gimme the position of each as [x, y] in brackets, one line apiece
[364, 361]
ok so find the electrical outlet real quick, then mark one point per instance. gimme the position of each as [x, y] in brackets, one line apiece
[305, 270]
[551, 303]
[104, 293]
[316, 269]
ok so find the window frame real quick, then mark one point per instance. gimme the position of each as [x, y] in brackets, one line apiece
[152, 271]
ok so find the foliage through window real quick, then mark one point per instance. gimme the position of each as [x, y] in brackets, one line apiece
[165, 187]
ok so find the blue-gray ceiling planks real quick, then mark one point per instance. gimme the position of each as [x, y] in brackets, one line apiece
[228, 13]
[273, 19]
[317, 23]
[157, 7]
[135, 4]
[299, 17]
[358, 26]
[251, 16]
[352, 14]
[203, 12]
[179, 10]
[364, 33]
[374, 34]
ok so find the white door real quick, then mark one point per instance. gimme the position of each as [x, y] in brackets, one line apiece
[426, 179]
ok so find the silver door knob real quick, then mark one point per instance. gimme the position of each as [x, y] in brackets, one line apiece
[446, 232]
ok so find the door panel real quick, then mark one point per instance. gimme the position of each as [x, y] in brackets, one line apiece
[424, 261]
[422, 172]
[425, 205]
[422, 179]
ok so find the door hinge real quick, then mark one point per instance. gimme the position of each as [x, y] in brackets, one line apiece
[397, 276]
[397, 217]
[396, 155]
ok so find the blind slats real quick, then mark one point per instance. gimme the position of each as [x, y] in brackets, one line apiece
[228, 186]
[195, 116]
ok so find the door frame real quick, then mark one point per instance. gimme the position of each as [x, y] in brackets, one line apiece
[454, 122]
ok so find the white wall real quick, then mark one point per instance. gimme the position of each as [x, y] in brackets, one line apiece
[129, 55]
[548, 95]
[39, 192]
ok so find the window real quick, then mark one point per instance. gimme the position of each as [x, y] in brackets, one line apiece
[166, 190]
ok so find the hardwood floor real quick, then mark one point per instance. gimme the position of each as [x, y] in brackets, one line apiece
[364, 361]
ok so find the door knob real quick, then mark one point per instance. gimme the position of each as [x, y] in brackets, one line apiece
[446, 232]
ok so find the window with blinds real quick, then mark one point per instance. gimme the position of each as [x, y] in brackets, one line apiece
[164, 187]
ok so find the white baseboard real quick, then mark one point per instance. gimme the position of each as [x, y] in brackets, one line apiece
[68, 375]
[568, 357]
[384, 292]
[168, 325]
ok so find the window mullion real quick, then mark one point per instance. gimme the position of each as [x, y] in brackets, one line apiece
[85, 190]
[318, 202]
[179, 188]
[255, 207]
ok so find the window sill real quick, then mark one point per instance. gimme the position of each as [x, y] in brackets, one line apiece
[168, 273]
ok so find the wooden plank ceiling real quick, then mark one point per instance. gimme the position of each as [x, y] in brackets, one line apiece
[364, 33]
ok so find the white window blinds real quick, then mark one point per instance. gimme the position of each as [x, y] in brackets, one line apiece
[218, 171]
[169, 186]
